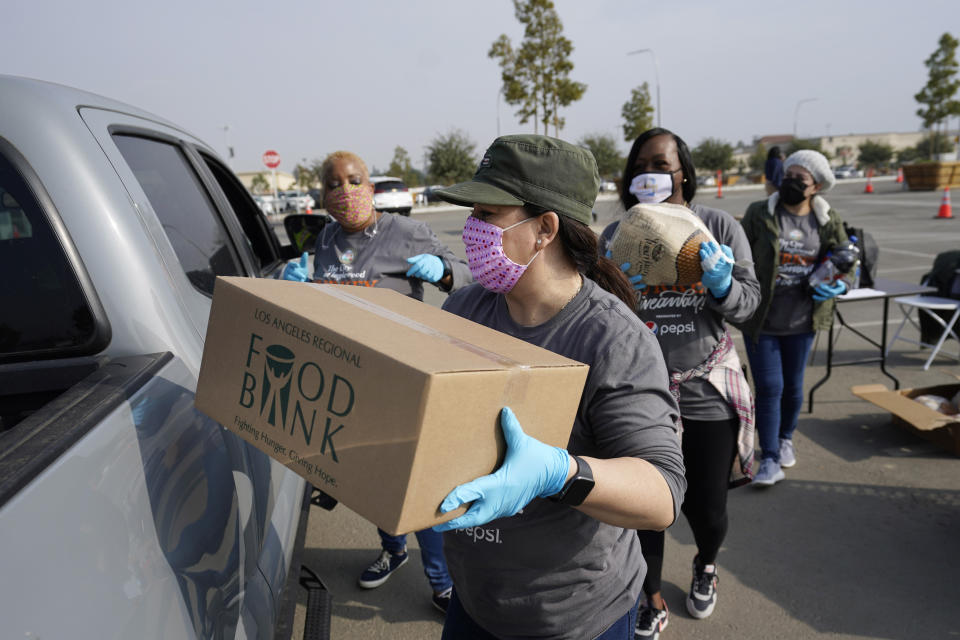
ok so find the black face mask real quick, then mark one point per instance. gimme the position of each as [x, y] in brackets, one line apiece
[791, 191]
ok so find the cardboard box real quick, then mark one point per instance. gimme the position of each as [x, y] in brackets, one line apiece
[942, 429]
[379, 400]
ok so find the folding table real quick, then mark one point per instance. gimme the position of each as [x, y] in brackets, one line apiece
[883, 289]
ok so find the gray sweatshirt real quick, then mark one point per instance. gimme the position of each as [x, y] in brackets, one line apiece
[689, 321]
[551, 571]
[377, 256]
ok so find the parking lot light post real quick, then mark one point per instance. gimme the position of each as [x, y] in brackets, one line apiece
[796, 114]
[656, 68]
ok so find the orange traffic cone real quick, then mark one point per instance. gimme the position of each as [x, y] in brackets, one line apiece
[899, 175]
[869, 187]
[719, 183]
[309, 210]
[946, 210]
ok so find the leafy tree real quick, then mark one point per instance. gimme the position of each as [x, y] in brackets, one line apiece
[923, 149]
[937, 97]
[402, 168]
[305, 176]
[875, 154]
[259, 184]
[605, 152]
[758, 159]
[316, 167]
[637, 113]
[536, 75]
[845, 153]
[713, 154]
[450, 158]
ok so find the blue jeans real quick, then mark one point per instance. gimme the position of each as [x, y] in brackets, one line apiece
[431, 552]
[458, 625]
[777, 364]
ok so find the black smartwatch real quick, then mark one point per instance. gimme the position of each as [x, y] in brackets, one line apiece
[578, 487]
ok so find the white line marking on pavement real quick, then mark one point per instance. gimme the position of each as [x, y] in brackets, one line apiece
[874, 323]
[909, 253]
[886, 271]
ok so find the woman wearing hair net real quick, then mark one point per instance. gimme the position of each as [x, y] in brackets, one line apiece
[788, 232]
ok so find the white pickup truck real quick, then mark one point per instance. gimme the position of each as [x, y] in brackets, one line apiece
[124, 512]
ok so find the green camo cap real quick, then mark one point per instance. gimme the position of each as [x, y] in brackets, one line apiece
[531, 169]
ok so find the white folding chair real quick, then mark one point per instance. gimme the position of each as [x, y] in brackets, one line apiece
[927, 305]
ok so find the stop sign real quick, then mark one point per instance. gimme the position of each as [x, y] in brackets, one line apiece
[271, 159]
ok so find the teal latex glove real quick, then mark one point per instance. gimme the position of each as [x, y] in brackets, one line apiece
[296, 271]
[636, 281]
[717, 264]
[530, 470]
[425, 266]
[824, 292]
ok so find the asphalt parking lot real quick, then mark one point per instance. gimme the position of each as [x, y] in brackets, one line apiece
[862, 540]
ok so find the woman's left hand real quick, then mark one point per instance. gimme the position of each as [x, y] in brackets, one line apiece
[635, 281]
[425, 266]
[531, 469]
[717, 264]
[823, 292]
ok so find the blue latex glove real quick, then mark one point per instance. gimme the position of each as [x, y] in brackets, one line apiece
[636, 281]
[717, 272]
[425, 266]
[530, 470]
[296, 271]
[824, 292]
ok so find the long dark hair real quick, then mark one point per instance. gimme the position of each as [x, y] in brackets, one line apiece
[580, 244]
[689, 188]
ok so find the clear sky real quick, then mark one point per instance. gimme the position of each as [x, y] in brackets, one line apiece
[307, 77]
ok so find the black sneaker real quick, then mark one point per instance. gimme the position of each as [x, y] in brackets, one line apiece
[381, 570]
[442, 600]
[703, 590]
[651, 621]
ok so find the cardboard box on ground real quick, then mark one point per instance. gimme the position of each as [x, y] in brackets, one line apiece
[379, 400]
[944, 430]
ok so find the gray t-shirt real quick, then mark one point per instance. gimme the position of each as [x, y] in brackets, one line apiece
[377, 256]
[552, 571]
[689, 321]
[791, 309]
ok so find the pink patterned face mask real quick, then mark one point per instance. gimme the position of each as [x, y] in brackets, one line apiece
[488, 263]
[350, 204]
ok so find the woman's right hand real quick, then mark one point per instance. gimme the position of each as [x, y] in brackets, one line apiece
[296, 271]
[636, 281]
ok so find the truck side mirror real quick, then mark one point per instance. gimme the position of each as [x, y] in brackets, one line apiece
[303, 229]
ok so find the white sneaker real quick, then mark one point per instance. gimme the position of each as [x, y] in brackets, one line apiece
[788, 456]
[769, 473]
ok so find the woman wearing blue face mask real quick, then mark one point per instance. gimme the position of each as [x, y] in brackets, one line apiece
[705, 373]
[547, 548]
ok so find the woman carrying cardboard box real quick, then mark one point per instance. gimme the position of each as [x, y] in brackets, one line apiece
[563, 560]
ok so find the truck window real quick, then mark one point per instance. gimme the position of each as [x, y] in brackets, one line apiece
[254, 225]
[184, 208]
[44, 312]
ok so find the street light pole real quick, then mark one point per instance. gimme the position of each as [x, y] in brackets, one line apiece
[796, 113]
[656, 67]
[499, 91]
[226, 142]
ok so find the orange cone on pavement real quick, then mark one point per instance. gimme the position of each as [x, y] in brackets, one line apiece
[899, 175]
[869, 187]
[309, 210]
[946, 210]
